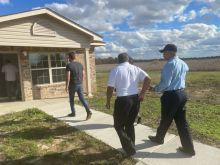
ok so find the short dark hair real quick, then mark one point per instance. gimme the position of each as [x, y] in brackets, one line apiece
[72, 55]
[123, 57]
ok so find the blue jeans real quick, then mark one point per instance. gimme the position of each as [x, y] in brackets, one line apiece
[79, 89]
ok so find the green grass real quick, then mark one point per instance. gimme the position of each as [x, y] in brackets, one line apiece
[33, 137]
[203, 107]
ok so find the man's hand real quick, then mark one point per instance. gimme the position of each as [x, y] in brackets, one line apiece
[67, 81]
[109, 93]
[145, 86]
[67, 90]
[141, 97]
[107, 105]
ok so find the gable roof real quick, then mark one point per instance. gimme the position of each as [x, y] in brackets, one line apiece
[97, 39]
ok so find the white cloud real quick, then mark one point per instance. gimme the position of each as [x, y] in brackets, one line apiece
[144, 12]
[93, 14]
[104, 15]
[212, 41]
[191, 40]
[187, 17]
[110, 49]
[4, 2]
[204, 11]
[213, 6]
[141, 16]
[206, 0]
[198, 31]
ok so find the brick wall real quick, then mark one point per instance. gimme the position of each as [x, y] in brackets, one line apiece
[49, 91]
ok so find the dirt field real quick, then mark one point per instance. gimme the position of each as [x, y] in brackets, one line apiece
[194, 65]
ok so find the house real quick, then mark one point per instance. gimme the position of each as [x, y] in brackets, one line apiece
[38, 42]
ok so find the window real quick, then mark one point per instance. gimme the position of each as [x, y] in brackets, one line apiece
[58, 65]
[58, 60]
[58, 75]
[40, 76]
[47, 67]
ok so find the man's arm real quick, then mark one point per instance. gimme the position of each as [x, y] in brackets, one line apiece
[110, 87]
[67, 80]
[109, 96]
[166, 78]
[83, 74]
[145, 86]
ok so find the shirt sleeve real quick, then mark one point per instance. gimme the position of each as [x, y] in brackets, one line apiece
[142, 74]
[166, 77]
[112, 78]
[187, 67]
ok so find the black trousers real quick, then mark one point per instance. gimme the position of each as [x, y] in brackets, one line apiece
[173, 107]
[125, 111]
[11, 88]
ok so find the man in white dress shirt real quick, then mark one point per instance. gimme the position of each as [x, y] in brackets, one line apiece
[125, 79]
[11, 75]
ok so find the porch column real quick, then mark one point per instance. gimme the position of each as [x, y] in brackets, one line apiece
[88, 72]
[25, 77]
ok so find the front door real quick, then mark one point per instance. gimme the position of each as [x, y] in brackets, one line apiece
[15, 92]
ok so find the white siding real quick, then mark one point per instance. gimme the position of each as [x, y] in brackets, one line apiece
[19, 33]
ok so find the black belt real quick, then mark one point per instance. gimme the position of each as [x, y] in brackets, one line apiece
[177, 90]
[119, 97]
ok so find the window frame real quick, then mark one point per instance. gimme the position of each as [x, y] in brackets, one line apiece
[50, 68]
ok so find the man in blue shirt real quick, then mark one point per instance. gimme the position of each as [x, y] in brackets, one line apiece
[173, 100]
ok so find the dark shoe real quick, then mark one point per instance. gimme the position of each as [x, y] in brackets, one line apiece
[130, 153]
[155, 140]
[190, 152]
[138, 120]
[89, 115]
[71, 115]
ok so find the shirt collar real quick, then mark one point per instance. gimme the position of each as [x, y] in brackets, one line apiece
[173, 58]
[124, 63]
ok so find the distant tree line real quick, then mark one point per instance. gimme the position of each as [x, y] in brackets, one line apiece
[111, 60]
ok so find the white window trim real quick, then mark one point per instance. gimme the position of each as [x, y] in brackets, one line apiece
[50, 70]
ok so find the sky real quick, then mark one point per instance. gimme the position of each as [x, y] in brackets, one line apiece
[140, 27]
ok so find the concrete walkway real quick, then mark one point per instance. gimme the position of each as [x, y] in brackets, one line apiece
[100, 126]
